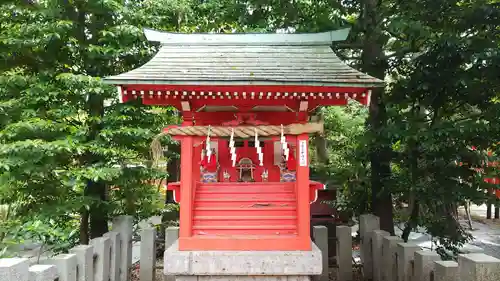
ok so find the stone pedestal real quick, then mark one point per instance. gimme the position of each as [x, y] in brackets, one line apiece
[242, 265]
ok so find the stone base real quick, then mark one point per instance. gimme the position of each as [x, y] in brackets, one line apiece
[223, 265]
[243, 278]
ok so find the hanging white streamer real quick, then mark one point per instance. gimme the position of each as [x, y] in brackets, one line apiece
[232, 149]
[284, 144]
[208, 150]
[259, 149]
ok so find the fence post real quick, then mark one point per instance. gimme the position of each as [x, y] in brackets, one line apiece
[114, 270]
[102, 246]
[43, 272]
[171, 235]
[124, 225]
[389, 248]
[378, 254]
[367, 224]
[85, 262]
[14, 269]
[424, 265]
[445, 271]
[405, 259]
[478, 267]
[344, 253]
[148, 254]
[320, 235]
[66, 266]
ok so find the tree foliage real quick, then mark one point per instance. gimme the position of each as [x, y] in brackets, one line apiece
[65, 141]
[68, 149]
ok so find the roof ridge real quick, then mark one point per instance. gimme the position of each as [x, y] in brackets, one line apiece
[258, 39]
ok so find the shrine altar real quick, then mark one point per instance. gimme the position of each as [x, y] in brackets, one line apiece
[247, 102]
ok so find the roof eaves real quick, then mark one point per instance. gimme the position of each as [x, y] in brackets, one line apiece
[373, 83]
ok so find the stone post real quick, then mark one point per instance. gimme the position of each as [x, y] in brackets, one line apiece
[114, 270]
[389, 250]
[367, 224]
[344, 253]
[424, 265]
[14, 269]
[320, 234]
[377, 239]
[478, 267]
[148, 254]
[124, 226]
[43, 272]
[85, 261]
[405, 260]
[102, 247]
[171, 235]
[66, 266]
[445, 271]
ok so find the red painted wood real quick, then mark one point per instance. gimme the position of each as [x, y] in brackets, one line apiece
[244, 209]
[302, 188]
[243, 88]
[292, 103]
[243, 216]
[176, 188]
[187, 191]
[283, 242]
[272, 118]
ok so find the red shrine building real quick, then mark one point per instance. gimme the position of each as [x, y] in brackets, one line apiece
[246, 102]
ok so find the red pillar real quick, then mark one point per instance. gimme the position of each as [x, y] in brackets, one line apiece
[186, 208]
[302, 189]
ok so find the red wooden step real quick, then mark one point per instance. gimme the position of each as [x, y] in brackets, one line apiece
[249, 184]
[250, 196]
[243, 191]
[259, 189]
[245, 202]
[252, 187]
[245, 230]
[244, 220]
[276, 210]
[245, 237]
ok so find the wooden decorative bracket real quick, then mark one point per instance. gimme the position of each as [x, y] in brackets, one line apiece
[244, 118]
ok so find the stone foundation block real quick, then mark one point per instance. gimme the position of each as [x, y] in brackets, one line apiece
[225, 265]
[243, 278]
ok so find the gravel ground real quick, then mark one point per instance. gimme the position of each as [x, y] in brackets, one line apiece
[486, 235]
[158, 275]
[489, 249]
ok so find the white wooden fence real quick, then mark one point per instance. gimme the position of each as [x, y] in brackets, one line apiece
[384, 258]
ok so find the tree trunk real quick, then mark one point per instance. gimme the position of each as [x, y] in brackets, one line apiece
[412, 221]
[467, 213]
[488, 211]
[84, 226]
[98, 211]
[374, 63]
[96, 190]
[321, 149]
